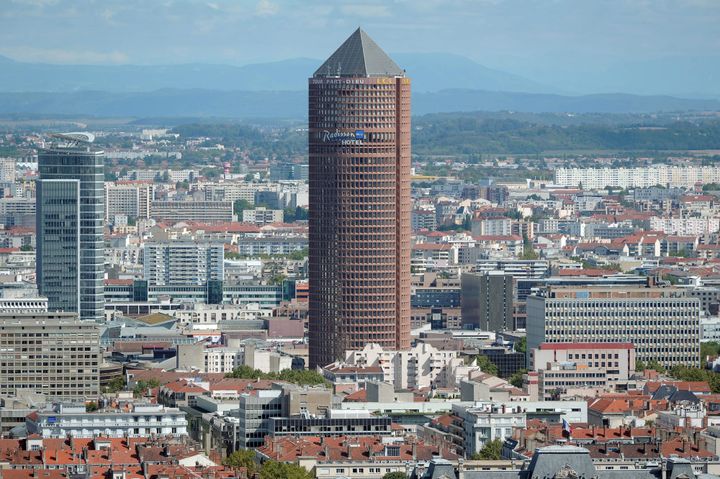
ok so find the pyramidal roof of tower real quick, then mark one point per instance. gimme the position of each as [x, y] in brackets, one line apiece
[359, 56]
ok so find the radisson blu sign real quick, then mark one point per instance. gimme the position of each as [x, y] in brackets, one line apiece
[343, 137]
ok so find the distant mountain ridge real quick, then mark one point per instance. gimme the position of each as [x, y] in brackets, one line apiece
[429, 71]
[293, 104]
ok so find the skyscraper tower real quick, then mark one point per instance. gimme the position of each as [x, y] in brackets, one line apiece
[359, 148]
[70, 212]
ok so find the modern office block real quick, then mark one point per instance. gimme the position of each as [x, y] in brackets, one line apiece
[662, 323]
[52, 353]
[69, 224]
[359, 150]
[487, 301]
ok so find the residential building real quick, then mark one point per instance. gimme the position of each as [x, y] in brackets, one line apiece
[517, 268]
[578, 368]
[262, 216]
[183, 263]
[421, 366]
[481, 423]
[64, 420]
[131, 199]
[360, 192]
[192, 210]
[17, 212]
[424, 220]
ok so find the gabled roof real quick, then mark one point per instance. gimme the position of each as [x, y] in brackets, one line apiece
[359, 56]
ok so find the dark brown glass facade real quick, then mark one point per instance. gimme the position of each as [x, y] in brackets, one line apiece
[359, 147]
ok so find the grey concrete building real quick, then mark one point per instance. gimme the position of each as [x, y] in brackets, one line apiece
[50, 353]
[69, 225]
[662, 323]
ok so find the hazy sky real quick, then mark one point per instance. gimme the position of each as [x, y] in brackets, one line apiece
[519, 35]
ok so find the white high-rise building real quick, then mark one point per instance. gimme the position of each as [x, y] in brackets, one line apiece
[640, 177]
[183, 263]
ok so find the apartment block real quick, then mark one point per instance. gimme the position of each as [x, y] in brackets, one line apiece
[64, 420]
[262, 216]
[183, 263]
[201, 211]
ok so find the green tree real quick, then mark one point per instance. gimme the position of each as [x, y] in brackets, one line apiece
[291, 215]
[277, 278]
[486, 365]
[689, 373]
[91, 406]
[298, 255]
[491, 451]
[241, 205]
[710, 348]
[395, 475]
[242, 458]
[283, 470]
[639, 366]
[115, 384]
[521, 345]
[142, 387]
[245, 372]
[516, 379]
[654, 364]
[26, 247]
[303, 377]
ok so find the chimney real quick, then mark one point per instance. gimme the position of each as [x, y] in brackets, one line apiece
[166, 450]
[42, 455]
[414, 451]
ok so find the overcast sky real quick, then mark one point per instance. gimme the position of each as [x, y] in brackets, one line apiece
[522, 36]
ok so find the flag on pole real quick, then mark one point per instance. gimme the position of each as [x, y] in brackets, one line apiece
[566, 429]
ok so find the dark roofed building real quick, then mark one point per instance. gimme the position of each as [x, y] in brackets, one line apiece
[359, 56]
[564, 462]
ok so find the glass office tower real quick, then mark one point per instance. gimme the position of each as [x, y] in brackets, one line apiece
[70, 212]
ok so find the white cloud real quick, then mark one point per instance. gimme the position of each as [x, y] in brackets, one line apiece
[265, 8]
[365, 10]
[56, 55]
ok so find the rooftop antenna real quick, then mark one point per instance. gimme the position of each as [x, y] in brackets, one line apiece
[339, 69]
